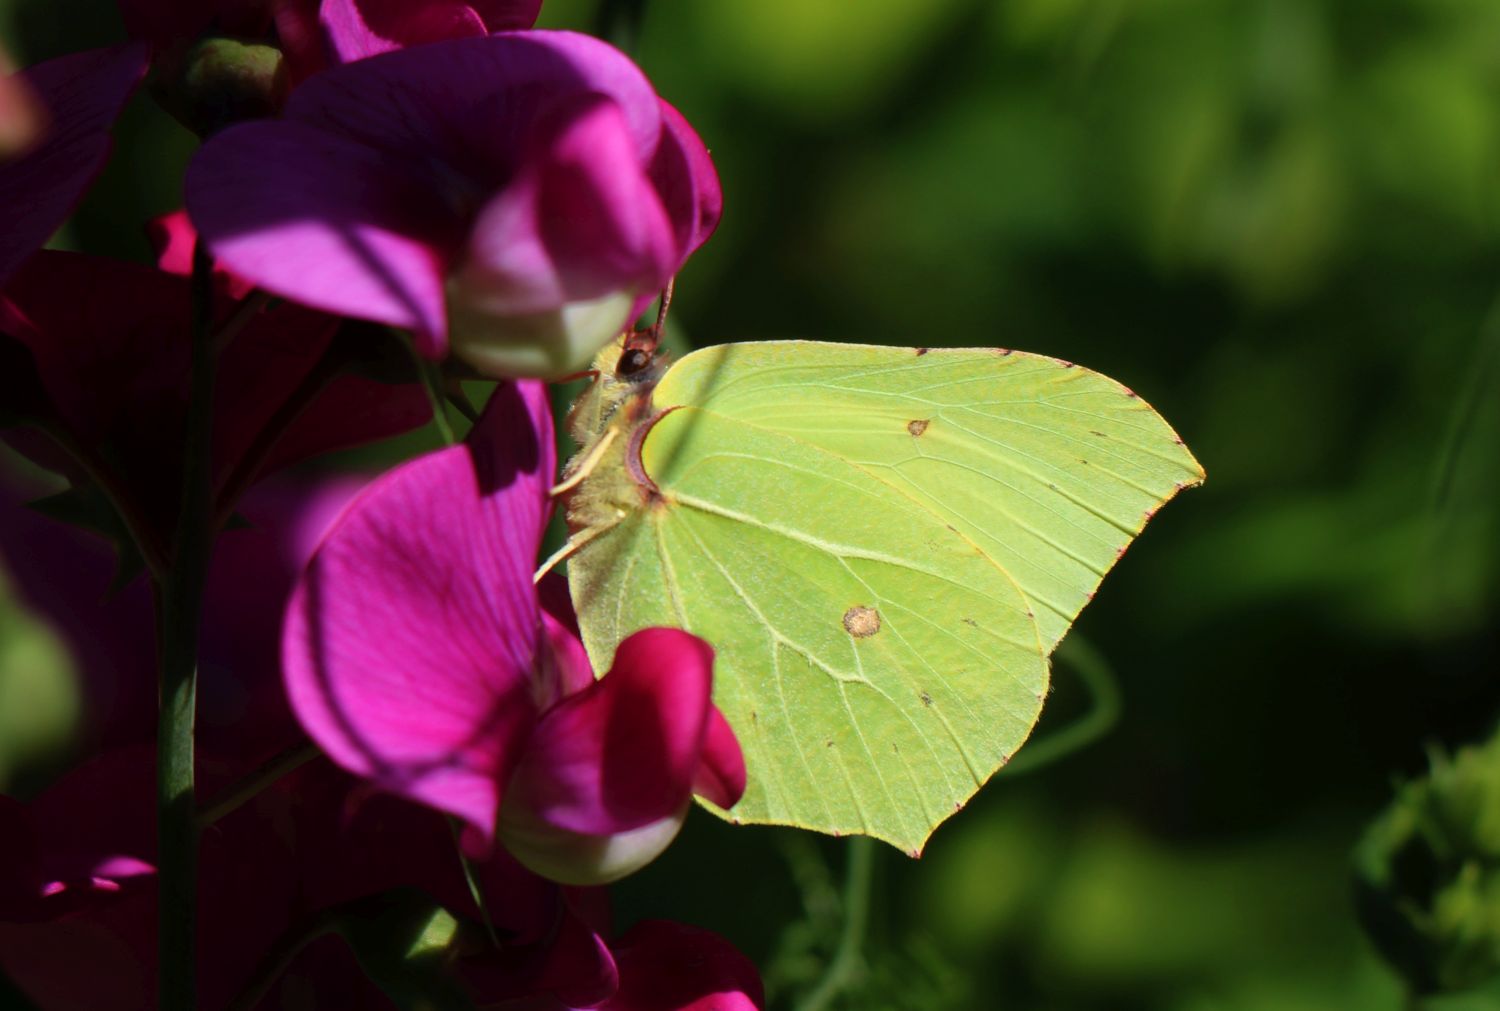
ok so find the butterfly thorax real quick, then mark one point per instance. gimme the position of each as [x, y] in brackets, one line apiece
[607, 422]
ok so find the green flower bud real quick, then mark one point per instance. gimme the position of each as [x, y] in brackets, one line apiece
[219, 81]
[1429, 874]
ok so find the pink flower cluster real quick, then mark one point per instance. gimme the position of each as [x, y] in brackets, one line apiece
[507, 196]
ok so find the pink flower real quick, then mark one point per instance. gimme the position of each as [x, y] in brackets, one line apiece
[520, 196]
[418, 655]
[78, 889]
[80, 95]
[106, 378]
[354, 29]
[62, 573]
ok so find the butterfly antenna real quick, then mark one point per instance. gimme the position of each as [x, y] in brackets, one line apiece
[640, 346]
[663, 306]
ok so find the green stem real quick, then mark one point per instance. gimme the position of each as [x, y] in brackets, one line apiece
[259, 451]
[180, 600]
[847, 964]
[471, 878]
[1103, 688]
[251, 786]
[432, 382]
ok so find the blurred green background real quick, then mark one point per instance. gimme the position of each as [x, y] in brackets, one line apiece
[1276, 220]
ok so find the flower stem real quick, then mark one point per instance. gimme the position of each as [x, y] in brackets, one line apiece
[233, 488]
[273, 771]
[847, 964]
[1104, 691]
[471, 878]
[432, 382]
[180, 601]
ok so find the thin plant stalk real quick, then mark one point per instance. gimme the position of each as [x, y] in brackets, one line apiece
[847, 966]
[180, 604]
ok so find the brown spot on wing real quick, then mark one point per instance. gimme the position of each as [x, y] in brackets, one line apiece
[861, 622]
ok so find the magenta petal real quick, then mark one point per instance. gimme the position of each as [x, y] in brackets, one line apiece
[565, 669]
[507, 15]
[721, 774]
[411, 639]
[83, 93]
[623, 753]
[172, 238]
[667, 966]
[572, 964]
[582, 221]
[469, 105]
[356, 29]
[326, 221]
[688, 182]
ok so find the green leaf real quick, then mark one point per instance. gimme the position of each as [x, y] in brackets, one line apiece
[883, 546]
[404, 942]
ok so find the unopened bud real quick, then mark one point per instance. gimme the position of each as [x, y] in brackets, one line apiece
[220, 81]
[1429, 874]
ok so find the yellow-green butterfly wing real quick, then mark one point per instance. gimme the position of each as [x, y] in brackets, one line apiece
[883, 545]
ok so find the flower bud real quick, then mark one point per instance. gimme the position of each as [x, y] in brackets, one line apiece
[1429, 874]
[220, 81]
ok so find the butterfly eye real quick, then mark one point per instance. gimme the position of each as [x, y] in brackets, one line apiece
[632, 361]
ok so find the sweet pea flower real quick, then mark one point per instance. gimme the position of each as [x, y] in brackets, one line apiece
[79, 96]
[519, 197]
[349, 30]
[106, 378]
[417, 654]
[61, 573]
[78, 889]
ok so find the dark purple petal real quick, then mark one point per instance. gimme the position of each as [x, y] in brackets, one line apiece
[82, 94]
[565, 668]
[121, 351]
[667, 966]
[411, 641]
[572, 964]
[328, 222]
[467, 107]
[355, 29]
